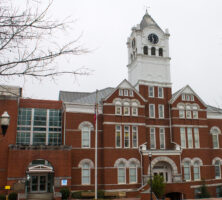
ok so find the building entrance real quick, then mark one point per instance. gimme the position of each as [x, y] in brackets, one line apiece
[40, 177]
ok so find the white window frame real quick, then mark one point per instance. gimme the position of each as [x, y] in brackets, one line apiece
[116, 110]
[135, 131]
[121, 168]
[161, 111]
[126, 110]
[151, 91]
[160, 92]
[126, 92]
[183, 97]
[152, 108]
[183, 138]
[188, 97]
[196, 138]
[190, 138]
[89, 177]
[191, 97]
[196, 165]
[188, 167]
[125, 128]
[215, 136]
[188, 114]
[195, 114]
[132, 168]
[89, 137]
[120, 92]
[116, 132]
[131, 93]
[162, 133]
[152, 143]
[219, 169]
[134, 111]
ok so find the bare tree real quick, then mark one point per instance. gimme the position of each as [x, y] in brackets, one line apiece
[29, 44]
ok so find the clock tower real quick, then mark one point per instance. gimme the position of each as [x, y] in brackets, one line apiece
[148, 54]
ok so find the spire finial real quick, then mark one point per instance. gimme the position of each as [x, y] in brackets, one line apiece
[147, 7]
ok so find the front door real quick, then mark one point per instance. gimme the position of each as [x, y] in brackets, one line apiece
[39, 183]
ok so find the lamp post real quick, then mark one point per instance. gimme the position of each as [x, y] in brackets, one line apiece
[4, 121]
[150, 159]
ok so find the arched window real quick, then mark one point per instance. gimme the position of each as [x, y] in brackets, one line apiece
[85, 174]
[181, 111]
[132, 173]
[85, 165]
[215, 131]
[121, 173]
[160, 52]
[153, 51]
[217, 169]
[145, 50]
[126, 108]
[186, 168]
[85, 137]
[188, 112]
[196, 170]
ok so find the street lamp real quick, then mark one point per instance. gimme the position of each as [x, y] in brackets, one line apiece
[150, 158]
[4, 121]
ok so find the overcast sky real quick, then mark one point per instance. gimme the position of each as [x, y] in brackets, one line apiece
[195, 44]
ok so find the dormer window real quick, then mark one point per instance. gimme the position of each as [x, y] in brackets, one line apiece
[160, 92]
[126, 92]
[191, 97]
[120, 92]
[131, 93]
[183, 97]
[188, 97]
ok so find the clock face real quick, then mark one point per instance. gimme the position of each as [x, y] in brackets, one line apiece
[153, 38]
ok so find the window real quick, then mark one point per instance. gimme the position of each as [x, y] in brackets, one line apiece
[121, 173]
[190, 137]
[191, 97]
[126, 92]
[85, 174]
[126, 109]
[118, 137]
[134, 109]
[160, 92]
[145, 50]
[188, 97]
[196, 171]
[217, 169]
[186, 168]
[218, 191]
[152, 110]
[215, 141]
[161, 111]
[151, 91]
[120, 92]
[39, 126]
[181, 112]
[182, 138]
[153, 51]
[118, 108]
[195, 114]
[152, 138]
[126, 136]
[131, 93]
[135, 136]
[196, 138]
[132, 173]
[197, 193]
[160, 52]
[183, 97]
[162, 138]
[86, 137]
[188, 112]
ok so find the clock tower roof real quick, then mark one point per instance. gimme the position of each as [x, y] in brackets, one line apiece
[148, 21]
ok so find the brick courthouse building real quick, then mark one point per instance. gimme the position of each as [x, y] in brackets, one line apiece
[50, 144]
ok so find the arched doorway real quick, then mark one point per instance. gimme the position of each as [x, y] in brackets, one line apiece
[40, 177]
[164, 169]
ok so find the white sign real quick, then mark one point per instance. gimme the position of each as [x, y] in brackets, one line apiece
[64, 182]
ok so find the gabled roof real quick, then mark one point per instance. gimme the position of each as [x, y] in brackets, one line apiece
[213, 109]
[148, 21]
[188, 90]
[126, 85]
[84, 97]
